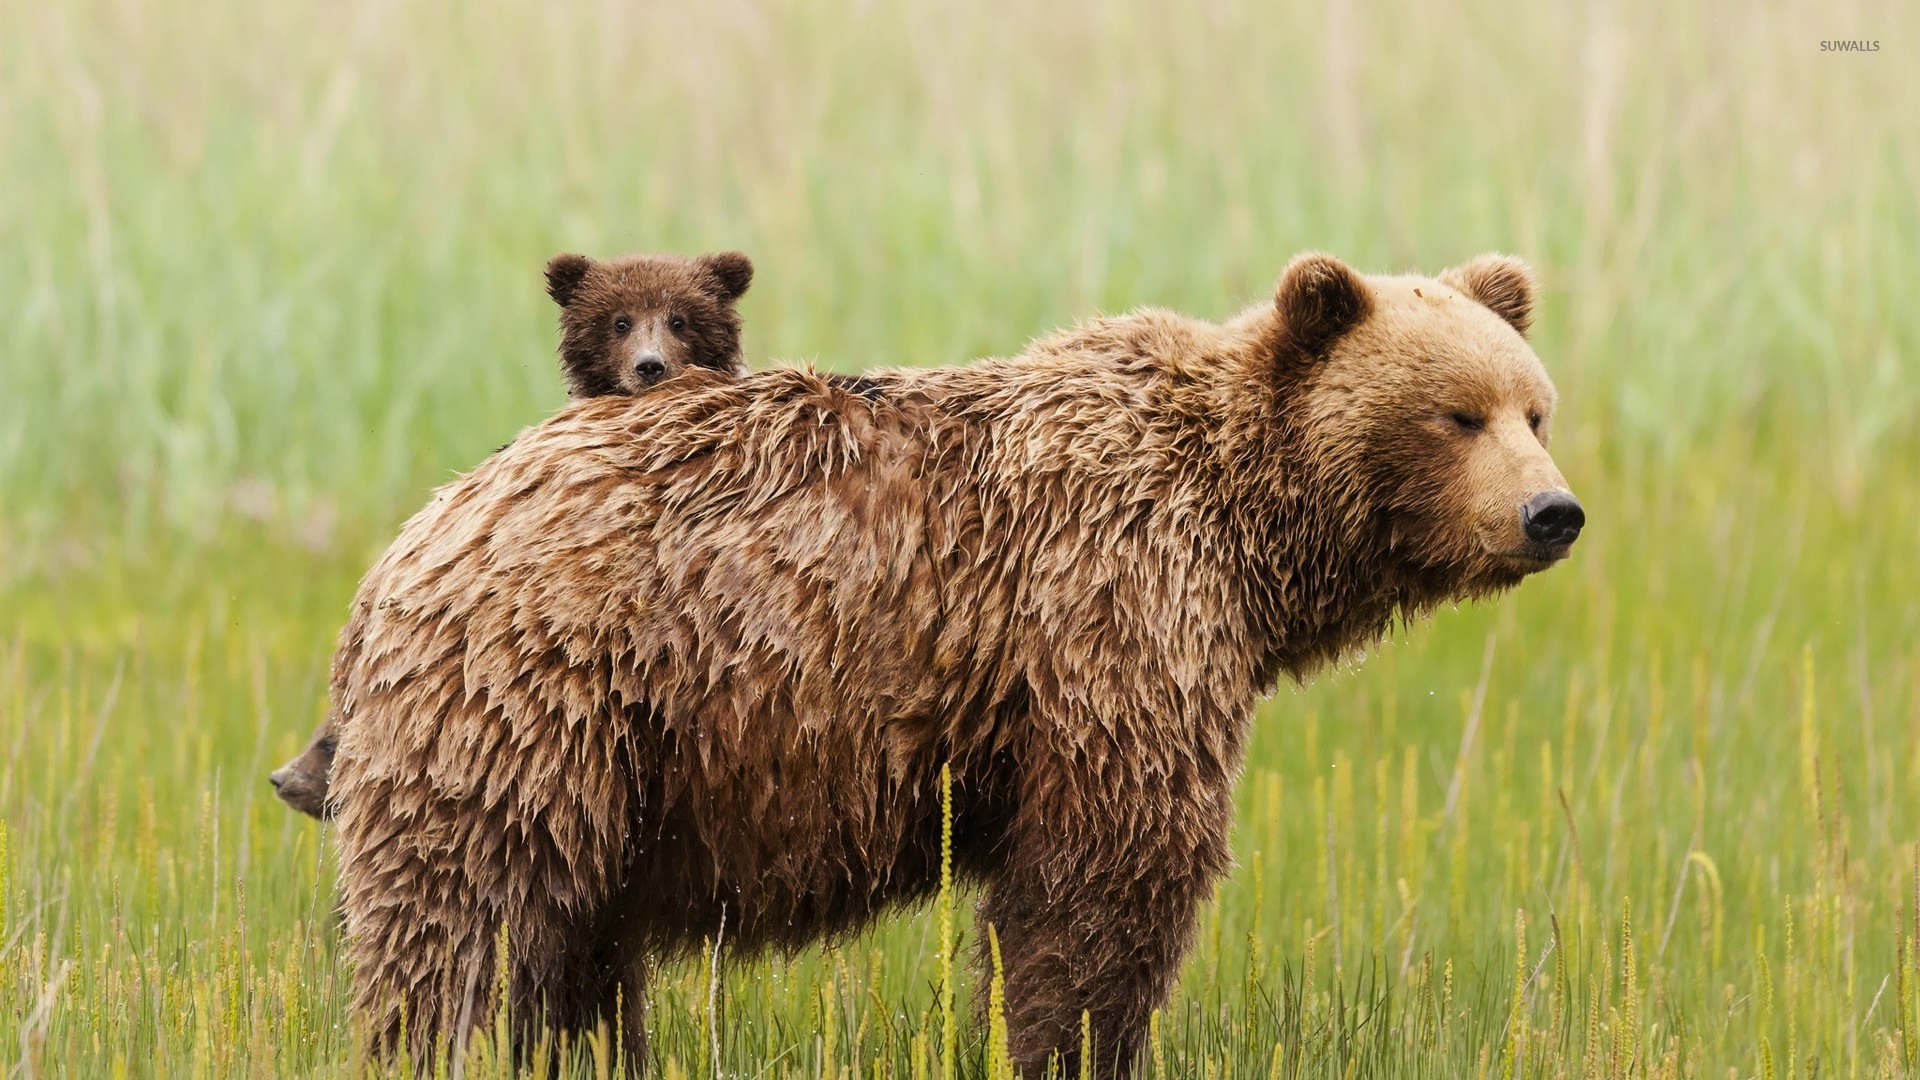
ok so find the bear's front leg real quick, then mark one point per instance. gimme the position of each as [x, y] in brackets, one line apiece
[1095, 907]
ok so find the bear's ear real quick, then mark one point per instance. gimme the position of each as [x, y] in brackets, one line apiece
[1319, 299]
[1501, 282]
[564, 274]
[733, 269]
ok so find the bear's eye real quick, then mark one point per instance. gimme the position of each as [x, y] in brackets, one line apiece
[327, 746]
[622, 324]
[1469, 422]
[676, 324]
[1533, 421]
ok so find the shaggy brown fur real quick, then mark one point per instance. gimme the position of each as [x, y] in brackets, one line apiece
[655, 668]
[633, 322]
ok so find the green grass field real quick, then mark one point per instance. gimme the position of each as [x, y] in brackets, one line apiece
[270, 272]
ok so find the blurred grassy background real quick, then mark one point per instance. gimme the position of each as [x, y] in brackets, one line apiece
[268, 273]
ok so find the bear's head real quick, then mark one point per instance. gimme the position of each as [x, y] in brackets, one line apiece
[627, 324]
[303, 782]
[1420, 404]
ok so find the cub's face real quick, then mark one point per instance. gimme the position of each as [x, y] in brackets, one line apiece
[1437, 409]
[629, 324]
[303, 782]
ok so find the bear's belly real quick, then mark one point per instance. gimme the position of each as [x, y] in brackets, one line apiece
[799, 793]
[834, 827]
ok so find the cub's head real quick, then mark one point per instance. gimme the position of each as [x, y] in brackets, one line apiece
[303, 782]
[630, 323]
[1420, 399]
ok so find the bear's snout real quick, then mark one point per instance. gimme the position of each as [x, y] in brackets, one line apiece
[1552, 518]
[303, 784]
[650, 368]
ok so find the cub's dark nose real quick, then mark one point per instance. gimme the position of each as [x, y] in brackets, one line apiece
[1553, 518]
[651, 369]
[276, 779]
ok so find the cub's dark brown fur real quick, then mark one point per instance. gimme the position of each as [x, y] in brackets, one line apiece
[303, 783]
[659, 666]
[633, 322]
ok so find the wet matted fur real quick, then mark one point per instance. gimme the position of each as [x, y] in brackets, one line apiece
[662, 664]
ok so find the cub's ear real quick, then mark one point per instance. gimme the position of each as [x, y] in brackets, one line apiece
[1501, 282]
[564, 274]
[1319, 299]
[734, 271]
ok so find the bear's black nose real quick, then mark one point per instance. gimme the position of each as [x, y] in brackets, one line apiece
[651, 369]
[276, 779]
[1553, 518]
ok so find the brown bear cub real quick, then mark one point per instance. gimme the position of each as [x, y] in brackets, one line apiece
[632, 323]
[303, 782]
[626, 325]
[655, 676]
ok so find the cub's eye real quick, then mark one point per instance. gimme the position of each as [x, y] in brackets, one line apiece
[1533, 421]
[622, 324]
[327, 747]
[1468, 421]
[676, 324]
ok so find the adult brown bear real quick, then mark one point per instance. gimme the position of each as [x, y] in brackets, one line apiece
[664, 664]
